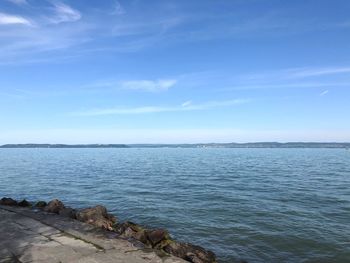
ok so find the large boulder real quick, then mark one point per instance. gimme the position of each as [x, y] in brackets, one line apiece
[189, 252]
[54, 206]
[8, 201]
[24, 203]
[68, 212]
[97, 216]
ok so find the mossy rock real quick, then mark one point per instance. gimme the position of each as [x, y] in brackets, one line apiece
[24, 203]
[40, 204]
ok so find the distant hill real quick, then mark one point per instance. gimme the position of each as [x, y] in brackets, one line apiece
[199, 145]
[281, 145]
[249, 145]
[31, 145]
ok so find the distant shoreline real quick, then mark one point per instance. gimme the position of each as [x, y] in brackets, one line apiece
[329, 145]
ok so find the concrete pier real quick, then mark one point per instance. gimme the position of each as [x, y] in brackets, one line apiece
[34, 236]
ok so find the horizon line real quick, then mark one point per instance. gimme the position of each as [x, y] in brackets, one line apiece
[101, 145]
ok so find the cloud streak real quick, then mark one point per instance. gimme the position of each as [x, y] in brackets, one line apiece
[148, 85]
[186, 106]
[55, 31]
[64, 13]
[142, 27]
[8, 19]
[297, 85]
[324, 92]
[289, 78]
[157, 85]
[296, 73]
[319, 72]
[118, 9]
[18, 2]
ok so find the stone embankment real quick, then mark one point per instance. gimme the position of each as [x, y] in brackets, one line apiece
[53, 232]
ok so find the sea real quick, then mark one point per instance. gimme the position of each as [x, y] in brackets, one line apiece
[258, 205]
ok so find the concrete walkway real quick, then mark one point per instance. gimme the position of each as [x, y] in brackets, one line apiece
[32, 236]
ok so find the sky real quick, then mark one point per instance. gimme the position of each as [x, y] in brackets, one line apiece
[174, 71]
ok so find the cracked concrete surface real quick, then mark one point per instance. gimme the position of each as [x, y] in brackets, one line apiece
[29, 236]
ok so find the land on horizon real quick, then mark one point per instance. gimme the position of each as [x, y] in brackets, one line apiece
[194, 145]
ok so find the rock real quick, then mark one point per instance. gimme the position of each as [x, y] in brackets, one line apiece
[138, 235]
[158, 237]
[121, 228]
[191, 253]
[8, 201]
[97, 216]
[54, 206]
[68, 212]
[24, 203]
[131, 230]
[41, 204]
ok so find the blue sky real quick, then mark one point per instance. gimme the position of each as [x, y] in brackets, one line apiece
[174, 71]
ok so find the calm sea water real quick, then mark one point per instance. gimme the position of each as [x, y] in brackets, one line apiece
[261, 205]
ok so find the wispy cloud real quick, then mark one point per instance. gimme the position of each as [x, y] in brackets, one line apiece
[37, 38]
[296, 85]
[18, 2]
[324, 92]
[154, 27]
[288, 78]
[148, 85]
[64, 13]
[295, 73]
[8, 19]
[186, 106]
[137, 85]
[145, 25]
[118, 9]
[314, 72]
[186, 103]
[55, 32]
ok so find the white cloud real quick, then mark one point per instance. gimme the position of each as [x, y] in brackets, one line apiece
[292, 73]
[18, 2]
[311, 72]
[324, 92]
[64, 13]
[148, 85]
[118, 9]
[186, 103]
[186, 106]
[297, 85]
[7, 19]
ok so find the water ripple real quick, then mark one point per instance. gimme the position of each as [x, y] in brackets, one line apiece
[262, 205]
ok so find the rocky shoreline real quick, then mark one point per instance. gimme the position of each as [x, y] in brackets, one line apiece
[98, 216]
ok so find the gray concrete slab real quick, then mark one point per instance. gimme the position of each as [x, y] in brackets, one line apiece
[30, 236]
